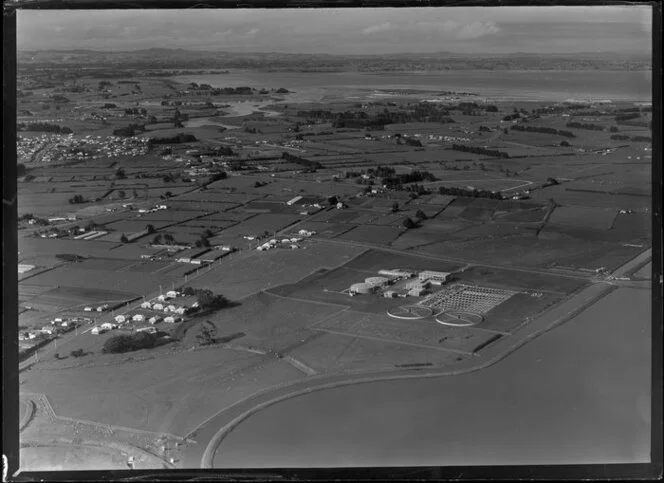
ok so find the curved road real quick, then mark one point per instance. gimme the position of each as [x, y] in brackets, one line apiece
[215, 429]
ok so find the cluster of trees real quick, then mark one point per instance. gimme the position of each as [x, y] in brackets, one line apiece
[396, 180]
[206, 299]
[223, 90]
[475, 193]
[204, 240]
[478, 150]
[304, 162]
[130, 130]
[590, 127]
[136, 111]
[128, 343]
[421, 112]
[109, 105]
[223, 151]
[511, 117]
[636, 139]
[166, 238]
[219, 175]
[21, 170]
[177, 139]
[413, 142]
[42, 127]
[77, 199]
[546, 130]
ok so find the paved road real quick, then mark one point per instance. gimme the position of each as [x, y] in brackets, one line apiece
[213, 431]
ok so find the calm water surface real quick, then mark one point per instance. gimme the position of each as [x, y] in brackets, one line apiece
[579, 394]
[538, 85]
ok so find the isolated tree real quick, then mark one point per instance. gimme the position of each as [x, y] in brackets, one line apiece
[408, 223]
[20, 170]
[120, 173]
[420, 215]
[122, 195]
[124, 239]
[168, 238]
[151, 229]
[156, 240]
[395, 207]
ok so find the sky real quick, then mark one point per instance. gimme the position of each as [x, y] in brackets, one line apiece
[624, 29]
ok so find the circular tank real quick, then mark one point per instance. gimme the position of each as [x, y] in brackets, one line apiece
[376, 281]
[362, 288]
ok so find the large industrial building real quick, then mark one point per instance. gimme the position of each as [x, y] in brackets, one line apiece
[435, 277]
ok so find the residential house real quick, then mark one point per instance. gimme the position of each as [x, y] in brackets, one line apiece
[138, 318]
[120, 319]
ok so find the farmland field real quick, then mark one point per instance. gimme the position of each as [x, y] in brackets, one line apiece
[589, 217]
[240, 275]
[426, 332]
[376, 235]
[334, 352]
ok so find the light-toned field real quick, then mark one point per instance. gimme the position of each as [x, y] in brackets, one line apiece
[341, 352]
[246, 273]
[169, 393]
[425, 333]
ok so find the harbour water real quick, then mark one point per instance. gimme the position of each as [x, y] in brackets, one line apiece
[553, 86]
[578, 394]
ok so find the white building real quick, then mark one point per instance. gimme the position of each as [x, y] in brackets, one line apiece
[120, 319]
[172, 294]
[158, 307]
[435, 277]
[169, 320]
[294, 200]
[108, 326]
[146, 305]
[138, 318]
[87, 309]
[149, 330]
[154, 319]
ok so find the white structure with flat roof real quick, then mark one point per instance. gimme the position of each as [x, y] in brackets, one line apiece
[435, 277]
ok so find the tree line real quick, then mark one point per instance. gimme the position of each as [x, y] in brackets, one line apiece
[478, 150]
[636, 139]
[587, 126]
[475, 193]
[304, 162]
[545, 130]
